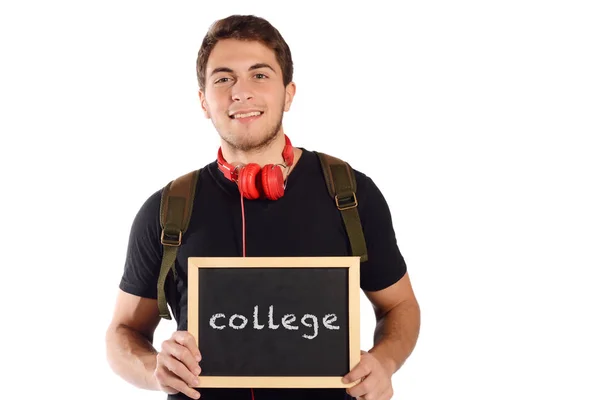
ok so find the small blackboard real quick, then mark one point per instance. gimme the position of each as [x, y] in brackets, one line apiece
[278, 322]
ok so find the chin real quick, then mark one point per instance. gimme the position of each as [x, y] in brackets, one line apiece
[249, 140]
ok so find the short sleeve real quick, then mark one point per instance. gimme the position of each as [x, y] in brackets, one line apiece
[385, 264]
[144, 252]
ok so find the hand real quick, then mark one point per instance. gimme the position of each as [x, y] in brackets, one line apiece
[177, 366]
[376, 382]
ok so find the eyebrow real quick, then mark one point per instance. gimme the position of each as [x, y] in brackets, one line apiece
[252, 67]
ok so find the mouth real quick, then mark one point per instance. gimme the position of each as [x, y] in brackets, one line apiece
[246, 117]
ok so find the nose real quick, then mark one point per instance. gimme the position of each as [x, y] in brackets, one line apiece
[241, 91]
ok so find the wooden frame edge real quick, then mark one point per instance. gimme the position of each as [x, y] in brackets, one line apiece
[354, 312]
[192, 318]
[269, 262]
[281, 382]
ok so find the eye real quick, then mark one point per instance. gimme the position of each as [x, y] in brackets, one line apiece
[221, 80]
[261, 76]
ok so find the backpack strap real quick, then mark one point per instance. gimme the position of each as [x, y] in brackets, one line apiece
[341, 183]
[175, 210]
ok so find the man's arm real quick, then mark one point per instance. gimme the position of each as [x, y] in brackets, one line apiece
[131, 355]
[398, 323]
[129, 338]
[396, 332]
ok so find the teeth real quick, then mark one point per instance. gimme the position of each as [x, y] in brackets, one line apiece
[250, 114]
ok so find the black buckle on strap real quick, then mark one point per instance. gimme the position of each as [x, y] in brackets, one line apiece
[168, 239]
[346, 202]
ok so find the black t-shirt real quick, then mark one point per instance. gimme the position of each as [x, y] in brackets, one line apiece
[305, 222]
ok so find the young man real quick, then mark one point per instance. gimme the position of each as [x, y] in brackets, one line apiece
[245, 76]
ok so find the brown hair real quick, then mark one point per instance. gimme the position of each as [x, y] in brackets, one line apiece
[245, 27]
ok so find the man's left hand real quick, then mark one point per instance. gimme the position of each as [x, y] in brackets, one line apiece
[376, 382]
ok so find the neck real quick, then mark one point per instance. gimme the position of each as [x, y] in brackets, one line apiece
[269, 154]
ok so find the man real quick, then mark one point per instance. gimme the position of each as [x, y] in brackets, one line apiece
[245, 72]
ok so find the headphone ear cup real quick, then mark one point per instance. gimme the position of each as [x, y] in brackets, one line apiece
[247, 181]
[272, 182]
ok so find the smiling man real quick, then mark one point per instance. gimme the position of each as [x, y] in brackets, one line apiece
[260, 197]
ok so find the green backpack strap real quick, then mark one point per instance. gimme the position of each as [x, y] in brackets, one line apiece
[175, 212]
[341, 184]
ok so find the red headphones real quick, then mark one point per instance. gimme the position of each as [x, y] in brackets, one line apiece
[253, 181]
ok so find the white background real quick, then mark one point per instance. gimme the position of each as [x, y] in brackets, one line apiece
[479, 121]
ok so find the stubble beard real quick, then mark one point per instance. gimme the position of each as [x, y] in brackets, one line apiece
[244, 145]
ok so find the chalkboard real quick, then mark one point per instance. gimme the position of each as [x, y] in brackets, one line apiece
[275, 322]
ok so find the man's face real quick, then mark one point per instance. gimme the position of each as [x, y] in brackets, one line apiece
[244, 94]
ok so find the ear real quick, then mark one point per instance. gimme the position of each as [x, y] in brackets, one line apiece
[290, 92]
[203, 103]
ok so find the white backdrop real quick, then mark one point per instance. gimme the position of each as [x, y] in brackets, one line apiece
[478, 120]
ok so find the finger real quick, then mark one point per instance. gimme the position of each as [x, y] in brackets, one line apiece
[171, 382]
[362, 369]
[172, 364]
[182, 354]
[368, 386]
[186, 339]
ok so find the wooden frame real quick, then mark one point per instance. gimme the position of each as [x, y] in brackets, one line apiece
[353, 266]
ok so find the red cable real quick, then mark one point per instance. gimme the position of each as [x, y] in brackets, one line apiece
[243, 227]
[244, 248]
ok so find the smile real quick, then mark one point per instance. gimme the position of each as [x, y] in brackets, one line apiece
[246, 115]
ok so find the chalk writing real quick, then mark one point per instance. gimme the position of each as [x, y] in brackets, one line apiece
[238, 322]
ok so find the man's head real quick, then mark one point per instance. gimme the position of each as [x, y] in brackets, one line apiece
[245, 65]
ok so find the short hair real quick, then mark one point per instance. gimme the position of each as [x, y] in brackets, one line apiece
[250, 28]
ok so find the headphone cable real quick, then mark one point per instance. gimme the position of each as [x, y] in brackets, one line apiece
[244, 248]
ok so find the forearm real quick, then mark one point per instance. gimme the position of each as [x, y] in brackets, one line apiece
[396, 335]
[132, 356]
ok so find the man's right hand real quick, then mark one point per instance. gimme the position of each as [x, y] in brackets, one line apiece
[177, 366]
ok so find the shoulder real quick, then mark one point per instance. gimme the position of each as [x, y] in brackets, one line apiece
[364, 183]
[371, 200]
[151, 206]
[372, 204]
[145, 227]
